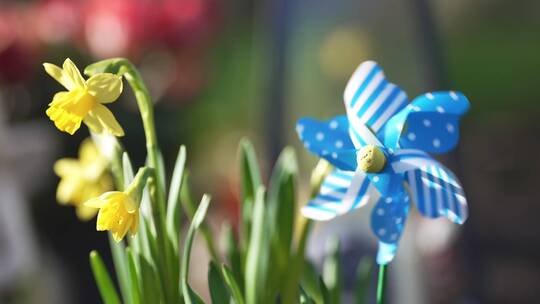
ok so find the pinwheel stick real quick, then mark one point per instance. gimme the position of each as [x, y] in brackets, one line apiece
[381, 284]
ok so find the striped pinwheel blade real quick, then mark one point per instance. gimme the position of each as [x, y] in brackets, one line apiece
[429, 123]
[388, 221]
[329, 140]
[370, 99]
[341, 192]
[434, 188]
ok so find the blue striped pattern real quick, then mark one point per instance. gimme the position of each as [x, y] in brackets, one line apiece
[341, 192]
[372, 99]
[437, 193]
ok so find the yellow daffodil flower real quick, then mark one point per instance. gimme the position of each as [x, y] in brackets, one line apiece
[83, 101]
[82, 179]
[119, 211]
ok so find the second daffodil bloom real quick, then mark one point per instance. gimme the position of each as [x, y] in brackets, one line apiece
[119, 210]
[82, 179]
[83, 101]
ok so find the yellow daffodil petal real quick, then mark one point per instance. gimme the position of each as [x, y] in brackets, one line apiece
[106, 87]
[66, 167]
[106, 119]
[93, 123]
[58, 74]
[135, 224]
[72, 73]
[68, 190]
[95, 202]
[85, 213]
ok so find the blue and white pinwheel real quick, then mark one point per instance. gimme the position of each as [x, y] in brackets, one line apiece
[380, 155]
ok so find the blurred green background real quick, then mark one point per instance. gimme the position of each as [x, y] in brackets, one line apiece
[222, 70]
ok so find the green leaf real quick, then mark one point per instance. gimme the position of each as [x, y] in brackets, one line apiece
[257, 254]
[120, 266]
[103, 280]
[232, 285]
[198, 218]
[173, 203]
[251, 178]
[332, 271]
[161, 171]
[305, 298]
[324, 291]
[218, 290]
[250, 181]
[150, 289]
[128, 169]
[310, 282]
[281, 206]
[364, 274]
[134, 275]
[233, 255]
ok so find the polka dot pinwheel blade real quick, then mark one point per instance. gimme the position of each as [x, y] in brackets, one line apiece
[341, 192]
[329, 140]
[370, 99]
[388, 221]
[436, 192]
[429, 123]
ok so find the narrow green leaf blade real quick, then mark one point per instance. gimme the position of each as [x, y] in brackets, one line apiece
[134, 277]
[218, 290]
[233, 255]
[173, 204]
[332, 271]
[121, 267]
[198, 218]
[257, 254]
[232, 285]
[251, 178]
[103, 280]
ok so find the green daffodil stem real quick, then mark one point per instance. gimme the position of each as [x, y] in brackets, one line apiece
[381, 284]
[123, 67]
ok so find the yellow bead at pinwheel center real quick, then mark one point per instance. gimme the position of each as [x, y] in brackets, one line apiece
[371, 159]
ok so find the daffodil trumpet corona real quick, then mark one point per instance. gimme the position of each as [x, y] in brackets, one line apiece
[84, 100]
[119, 210]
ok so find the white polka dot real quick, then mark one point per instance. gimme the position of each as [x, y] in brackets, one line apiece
[334, 155]
[453, 95]
[429, 96]
[319, 136]
[375, 179]
[324, 152]
[411, 136]
[394, 236]
[306, 144]
[380, 211]
[333, 125]
[436, 143]
[427, 122]
[339, 144]
[300, 128]
[450, 128]
[440, 109]
[382, 231]
[406, 198]
[388, 200]
[398, 220]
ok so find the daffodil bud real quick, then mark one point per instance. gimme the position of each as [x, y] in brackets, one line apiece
[321, 170]
[135, 189]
